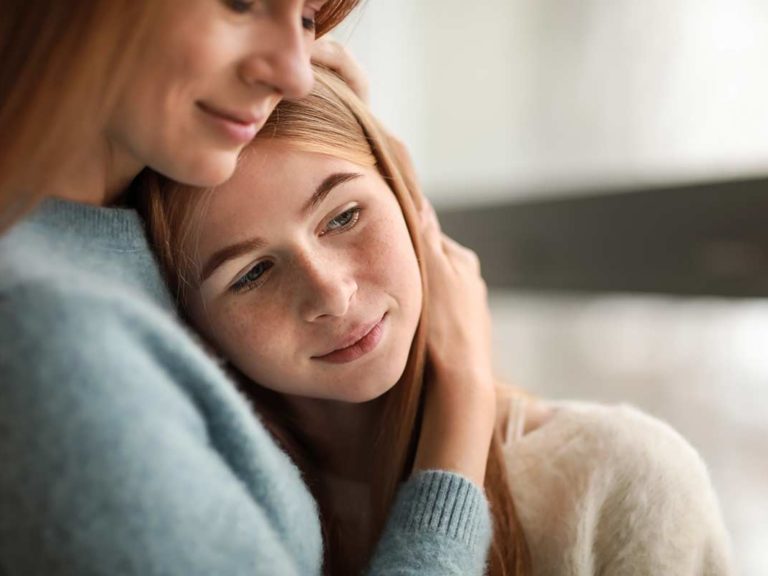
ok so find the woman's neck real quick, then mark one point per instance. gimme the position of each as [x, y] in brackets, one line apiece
[100, 178]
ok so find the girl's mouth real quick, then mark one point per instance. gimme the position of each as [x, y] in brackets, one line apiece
[359, 347]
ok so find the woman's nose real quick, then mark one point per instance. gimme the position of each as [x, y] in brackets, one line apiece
[281, 56]
[327, 291]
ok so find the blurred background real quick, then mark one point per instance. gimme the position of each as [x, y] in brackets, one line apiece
[608, 160]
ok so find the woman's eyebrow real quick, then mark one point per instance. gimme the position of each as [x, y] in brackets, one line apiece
[326, 186]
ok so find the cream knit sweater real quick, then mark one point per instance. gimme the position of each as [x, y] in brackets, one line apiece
[612, 491]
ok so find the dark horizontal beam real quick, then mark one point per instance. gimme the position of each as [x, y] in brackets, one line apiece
[700, 239]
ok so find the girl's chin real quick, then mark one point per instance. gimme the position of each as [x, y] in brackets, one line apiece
[361, 394]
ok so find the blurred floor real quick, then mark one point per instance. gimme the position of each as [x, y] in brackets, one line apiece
[699, 364]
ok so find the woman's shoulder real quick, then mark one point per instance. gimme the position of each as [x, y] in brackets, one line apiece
[67, 292]
[68, 335]
[124, 436]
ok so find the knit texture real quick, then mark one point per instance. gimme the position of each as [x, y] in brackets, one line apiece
[124, 450]
[611, 490]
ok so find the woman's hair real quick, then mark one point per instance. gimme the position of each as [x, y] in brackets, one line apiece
[331, 120]
[62, 64]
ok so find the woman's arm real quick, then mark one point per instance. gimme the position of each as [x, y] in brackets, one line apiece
[115, 461]
[460, 406]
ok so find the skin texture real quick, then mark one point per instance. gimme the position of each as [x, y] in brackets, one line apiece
[236, 58]
[319, 278]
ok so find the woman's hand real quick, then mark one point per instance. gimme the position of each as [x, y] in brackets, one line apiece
[459, 336]
[336, 57]
[460, 407]
[329, 53]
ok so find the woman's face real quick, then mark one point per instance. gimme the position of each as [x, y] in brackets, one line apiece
[209, 77]
[309, 280]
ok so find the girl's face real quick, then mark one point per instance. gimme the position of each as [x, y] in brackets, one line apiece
[309, 280]
[209, 78]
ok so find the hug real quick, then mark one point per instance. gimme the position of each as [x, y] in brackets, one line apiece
[236, 341]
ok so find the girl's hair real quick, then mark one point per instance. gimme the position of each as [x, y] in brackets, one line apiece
[331, 120]
[62, 63]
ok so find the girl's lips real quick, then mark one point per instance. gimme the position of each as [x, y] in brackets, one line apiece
[239, 129]
[361, 347]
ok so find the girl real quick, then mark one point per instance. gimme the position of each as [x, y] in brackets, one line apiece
[125, 449]
[313, 276]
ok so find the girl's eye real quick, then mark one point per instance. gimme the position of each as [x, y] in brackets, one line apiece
[252, 278]
[343, 221]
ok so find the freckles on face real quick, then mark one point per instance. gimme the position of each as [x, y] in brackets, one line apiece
[341, 265]
[255, 336]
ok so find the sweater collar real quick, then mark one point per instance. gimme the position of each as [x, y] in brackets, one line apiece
[118, 228]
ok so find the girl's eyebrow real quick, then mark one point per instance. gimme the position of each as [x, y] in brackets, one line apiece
[228, 253]
[244, 246]
[326, 186]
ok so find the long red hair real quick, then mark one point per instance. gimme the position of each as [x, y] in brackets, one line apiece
[61, 66]
[331, 120]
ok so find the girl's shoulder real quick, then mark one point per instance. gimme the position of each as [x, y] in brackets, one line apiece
[602, 445]
[614, 487]
[563, 428]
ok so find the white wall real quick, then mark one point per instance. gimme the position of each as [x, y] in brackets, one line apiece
[517, 97]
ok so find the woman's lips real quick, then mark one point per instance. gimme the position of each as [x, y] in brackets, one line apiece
[240, 128]
[358, 348]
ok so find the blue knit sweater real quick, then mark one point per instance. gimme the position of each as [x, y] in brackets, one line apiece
[124, 450]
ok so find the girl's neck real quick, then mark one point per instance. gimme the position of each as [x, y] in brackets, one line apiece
[341, 436]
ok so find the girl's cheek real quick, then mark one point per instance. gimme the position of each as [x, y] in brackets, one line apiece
[377, 242]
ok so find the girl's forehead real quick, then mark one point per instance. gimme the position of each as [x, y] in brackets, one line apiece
[280, 183]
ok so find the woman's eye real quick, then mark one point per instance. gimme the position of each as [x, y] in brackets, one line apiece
[241, 6]
[346, 219]
[308, 23]
[252, 278]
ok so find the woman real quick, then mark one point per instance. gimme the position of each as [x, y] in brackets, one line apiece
[306, 278]
[126, 450]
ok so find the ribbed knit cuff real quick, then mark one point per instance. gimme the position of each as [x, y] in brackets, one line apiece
[445, 503]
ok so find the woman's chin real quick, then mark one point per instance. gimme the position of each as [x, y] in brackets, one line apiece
[211, 170]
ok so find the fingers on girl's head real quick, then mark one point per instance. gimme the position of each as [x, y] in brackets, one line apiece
[335, 56]
[429, 225]
[428, 214]
[461, 254]
[324, 51]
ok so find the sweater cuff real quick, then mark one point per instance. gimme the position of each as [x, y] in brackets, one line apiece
[448, 504]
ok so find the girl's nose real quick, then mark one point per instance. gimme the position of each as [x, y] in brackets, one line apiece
[328, 291]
